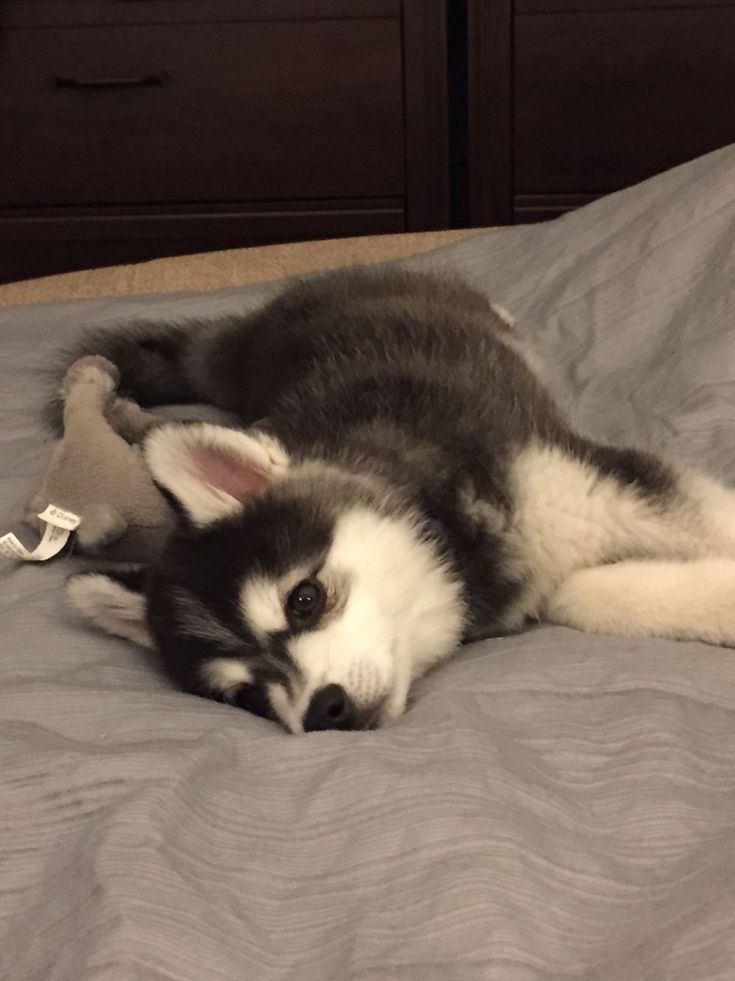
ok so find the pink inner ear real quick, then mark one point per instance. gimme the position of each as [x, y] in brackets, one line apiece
[228, 472]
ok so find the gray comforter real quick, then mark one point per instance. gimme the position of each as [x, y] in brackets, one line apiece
[555, 805]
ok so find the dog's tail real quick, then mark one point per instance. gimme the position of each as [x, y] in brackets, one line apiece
[157, 364]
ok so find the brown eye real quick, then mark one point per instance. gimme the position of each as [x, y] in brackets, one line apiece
[305, 603]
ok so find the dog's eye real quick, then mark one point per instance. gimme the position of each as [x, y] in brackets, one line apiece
[305, 603]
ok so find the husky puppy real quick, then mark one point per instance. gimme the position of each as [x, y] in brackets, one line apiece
[401, 483]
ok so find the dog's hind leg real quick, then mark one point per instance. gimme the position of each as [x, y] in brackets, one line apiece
[707, 509]
[574, 513]
[692, 600]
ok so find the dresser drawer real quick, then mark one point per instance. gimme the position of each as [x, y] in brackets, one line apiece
[571, 99]
[257, 110]
[606, 98]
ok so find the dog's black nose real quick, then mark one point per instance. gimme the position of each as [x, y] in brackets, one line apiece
[330, 708]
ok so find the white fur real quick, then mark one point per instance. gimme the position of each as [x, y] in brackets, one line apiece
[604, 558]
[681, 600]
[111, 606]
[568, 517]
[224, 675]
[390, 560]
[356, 651]
[170, 453]
[515, 341]
[262, 605]
[709, 509]
[505, 315]
[291, 714]
[404, 611]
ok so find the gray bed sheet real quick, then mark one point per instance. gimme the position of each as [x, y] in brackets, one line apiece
[553, 806]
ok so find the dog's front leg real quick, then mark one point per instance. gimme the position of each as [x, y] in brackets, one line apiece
[691, 600]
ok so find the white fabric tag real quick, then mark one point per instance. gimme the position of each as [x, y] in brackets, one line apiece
[59, 526]
[54, 515]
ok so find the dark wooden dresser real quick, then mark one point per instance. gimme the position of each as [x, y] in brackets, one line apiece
[138, 128]
[571, 99]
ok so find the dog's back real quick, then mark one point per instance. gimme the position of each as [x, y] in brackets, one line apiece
[407, 364]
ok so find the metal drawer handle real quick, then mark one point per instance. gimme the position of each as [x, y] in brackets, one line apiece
[121, 82]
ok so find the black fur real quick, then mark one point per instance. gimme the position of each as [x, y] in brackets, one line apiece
[632, 468]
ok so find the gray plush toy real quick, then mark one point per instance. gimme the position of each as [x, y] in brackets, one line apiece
[97, 471]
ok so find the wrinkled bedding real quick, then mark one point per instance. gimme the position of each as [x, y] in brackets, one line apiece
[553, 806]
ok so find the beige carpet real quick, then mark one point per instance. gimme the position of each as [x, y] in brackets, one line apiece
[214, 270]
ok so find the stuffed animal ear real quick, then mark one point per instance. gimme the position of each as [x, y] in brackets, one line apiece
[114, 601]
[211, 471]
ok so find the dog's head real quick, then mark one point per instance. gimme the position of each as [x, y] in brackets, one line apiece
[299, 591]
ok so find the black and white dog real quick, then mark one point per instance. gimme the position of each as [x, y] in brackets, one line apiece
[403, 483]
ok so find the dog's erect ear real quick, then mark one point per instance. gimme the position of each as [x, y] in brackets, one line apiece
[114, 601]
[212, 471]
